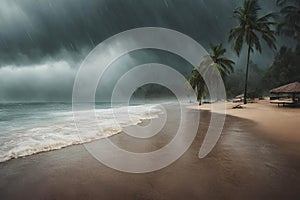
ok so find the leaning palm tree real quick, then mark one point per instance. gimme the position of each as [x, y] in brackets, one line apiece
[223, 64]
[290, 26]
[249, 28]
[215, 59]
[197, 82]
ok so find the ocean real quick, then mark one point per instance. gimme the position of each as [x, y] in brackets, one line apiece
[30, 128]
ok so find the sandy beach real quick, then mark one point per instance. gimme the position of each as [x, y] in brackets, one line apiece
[279, 123]
[257, 157]
[99, 100]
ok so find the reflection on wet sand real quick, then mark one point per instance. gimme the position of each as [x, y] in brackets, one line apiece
[245, 164]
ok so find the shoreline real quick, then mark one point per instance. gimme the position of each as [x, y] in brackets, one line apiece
[66, 139]
[278, 123]
[243, 165]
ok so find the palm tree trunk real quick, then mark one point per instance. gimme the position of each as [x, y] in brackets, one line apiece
[246, 79]
[199, 94]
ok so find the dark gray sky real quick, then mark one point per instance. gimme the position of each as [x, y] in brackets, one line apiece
[42, 42]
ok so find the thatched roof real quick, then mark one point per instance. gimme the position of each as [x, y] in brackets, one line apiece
[289, 88]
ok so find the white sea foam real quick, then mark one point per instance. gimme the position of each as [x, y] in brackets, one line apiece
[56, 135]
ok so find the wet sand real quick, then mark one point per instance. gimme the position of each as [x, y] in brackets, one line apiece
[279, 123]
[245, 164]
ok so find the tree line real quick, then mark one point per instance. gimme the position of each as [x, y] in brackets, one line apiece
[250, 30]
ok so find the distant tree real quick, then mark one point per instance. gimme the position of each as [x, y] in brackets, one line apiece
[197, 82]
[285, 68]
[290, 26]
[255, 84]
[250, 25]
[216, 59]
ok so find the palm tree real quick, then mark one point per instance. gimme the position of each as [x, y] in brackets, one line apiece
[250, 25]
[197, 83]
[223, 64]
[215, 59]
[291, 22]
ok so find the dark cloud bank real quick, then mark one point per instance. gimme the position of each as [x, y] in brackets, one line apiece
[42, 42]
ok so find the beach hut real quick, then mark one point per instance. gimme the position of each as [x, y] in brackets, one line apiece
[288, 92]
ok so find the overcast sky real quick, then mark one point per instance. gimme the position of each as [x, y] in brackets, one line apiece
[42, 42]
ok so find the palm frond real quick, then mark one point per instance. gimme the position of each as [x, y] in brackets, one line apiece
[291, 18]
[238, 43]
[251, 26]
[223, 65]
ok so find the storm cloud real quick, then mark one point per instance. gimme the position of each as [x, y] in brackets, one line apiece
[42, 42]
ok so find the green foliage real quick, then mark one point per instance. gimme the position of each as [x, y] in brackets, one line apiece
[250, 25]
[223, 64]
[285, 68]
[197, 83]
[216, 59]
[234, 86]
[249, 30]
[290, 24]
